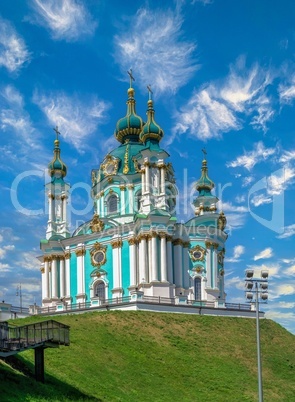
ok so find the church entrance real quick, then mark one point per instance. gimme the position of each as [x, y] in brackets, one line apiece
[99, 290]
[197, 289]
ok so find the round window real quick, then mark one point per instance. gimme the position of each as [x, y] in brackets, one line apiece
[197, 255]
[99, 257]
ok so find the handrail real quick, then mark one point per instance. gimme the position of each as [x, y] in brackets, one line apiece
[18, 338]
[68, 307]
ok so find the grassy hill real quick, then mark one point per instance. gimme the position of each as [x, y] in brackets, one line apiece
[154, 357]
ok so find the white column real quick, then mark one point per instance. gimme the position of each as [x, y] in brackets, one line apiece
[63, 209]
[130, 199]
[132, 261]
[50, 207]
[46, 278]
[169, 260]
[148, 275]
[177, 248]
[117, 272]
[162, 173]
[68, 274]
[80, 270]
[186, 275]
[143, 181]
[147, 177]
[102, 204]
[142, 259]
[163, 257]
[154, 277]
[62, 277]
[123, 203]
[54, 293]
[208, 265]
[215, 266]
[42, 269]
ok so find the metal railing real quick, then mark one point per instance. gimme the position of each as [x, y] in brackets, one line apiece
[15, 338]
[72, 307]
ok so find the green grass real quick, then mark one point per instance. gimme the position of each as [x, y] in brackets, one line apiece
[155, 357]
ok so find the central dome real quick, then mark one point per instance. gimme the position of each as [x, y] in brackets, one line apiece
[130, 126]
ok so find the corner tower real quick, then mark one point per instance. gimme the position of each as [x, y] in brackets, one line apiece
[57, 192]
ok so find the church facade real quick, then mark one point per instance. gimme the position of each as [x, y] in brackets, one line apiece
[133, 246]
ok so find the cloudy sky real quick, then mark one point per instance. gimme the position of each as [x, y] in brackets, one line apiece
[222, 74]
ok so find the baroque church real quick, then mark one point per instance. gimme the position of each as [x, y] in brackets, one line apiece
[133, 247]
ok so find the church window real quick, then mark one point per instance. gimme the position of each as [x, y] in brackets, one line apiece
[138, 198]
[197, 288]
[99, 290]
[113, 204]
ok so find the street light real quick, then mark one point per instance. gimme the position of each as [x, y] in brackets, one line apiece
[260, 292]
[19, 293]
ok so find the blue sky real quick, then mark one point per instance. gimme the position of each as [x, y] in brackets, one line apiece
[222, 74]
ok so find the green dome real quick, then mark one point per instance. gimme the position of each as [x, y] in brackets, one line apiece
[130, 126]
[56, 168]
[204, 185]
[151, 130]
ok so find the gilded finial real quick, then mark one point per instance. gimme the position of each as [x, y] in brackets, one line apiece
[150, 91]
[131, 77]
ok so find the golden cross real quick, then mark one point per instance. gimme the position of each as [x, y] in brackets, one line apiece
[56, 131]
[150, 91]
[204, 152]
[131, 77]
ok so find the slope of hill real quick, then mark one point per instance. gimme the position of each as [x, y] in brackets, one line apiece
[145, 356]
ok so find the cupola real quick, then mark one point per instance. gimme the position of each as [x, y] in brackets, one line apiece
[130, 126]
[57, 168]
[151, 130]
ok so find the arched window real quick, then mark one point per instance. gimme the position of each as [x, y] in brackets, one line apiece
[99, 290]
[138, 198]
[113, 204]
[197, 288]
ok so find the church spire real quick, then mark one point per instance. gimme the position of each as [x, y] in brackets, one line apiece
[205, 202]
[57, 193]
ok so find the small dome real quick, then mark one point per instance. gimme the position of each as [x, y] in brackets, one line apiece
[130, 126]
[56, 168]
[204, 185]
[151, 130]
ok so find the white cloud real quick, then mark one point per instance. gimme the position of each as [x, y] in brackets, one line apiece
[251, 158]
[240, 199]
[13, 51]
[288, 232]
[228, 206]
[204, 117]
[287, 156]
[153, 46]
[76, 120]
[4, 267]
[15, 119]
[261, 199]
[287, 91]
[221, 106]
[238, 251]
[247, 180]
[278, 182]
[290, 271]
[66, 19]
[284, 290]
[266, 253]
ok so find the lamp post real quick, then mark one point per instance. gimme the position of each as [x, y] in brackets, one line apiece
[19, 293]
[257, 287]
